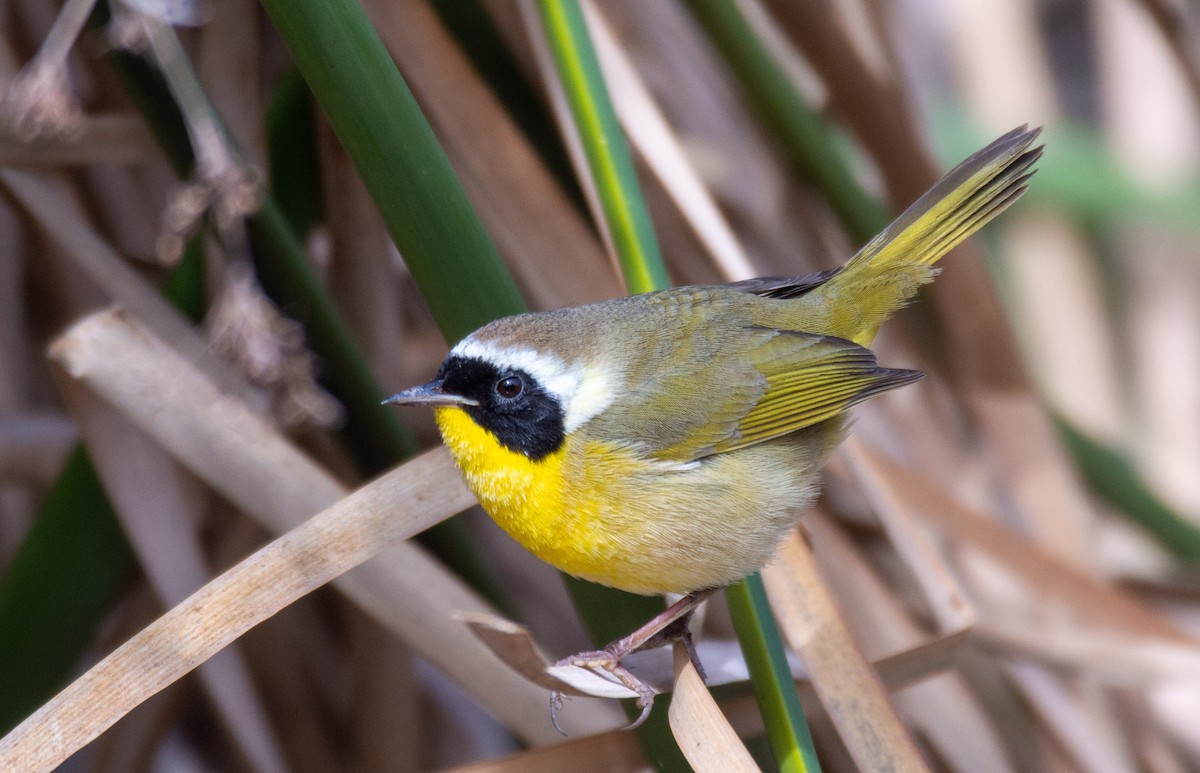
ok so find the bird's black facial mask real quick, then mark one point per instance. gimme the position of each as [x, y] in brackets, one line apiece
[512, 405]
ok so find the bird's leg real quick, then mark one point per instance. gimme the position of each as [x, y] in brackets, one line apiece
[668, 626]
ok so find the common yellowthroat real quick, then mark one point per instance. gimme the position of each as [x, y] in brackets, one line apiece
[666, 442]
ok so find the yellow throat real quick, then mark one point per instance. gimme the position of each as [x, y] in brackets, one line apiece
[523, 496]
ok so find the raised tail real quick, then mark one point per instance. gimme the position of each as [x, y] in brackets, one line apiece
[889, 269]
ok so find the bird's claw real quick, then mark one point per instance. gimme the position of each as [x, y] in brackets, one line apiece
[556, 704]
[671, 625]
[645, 703]
[610, 662]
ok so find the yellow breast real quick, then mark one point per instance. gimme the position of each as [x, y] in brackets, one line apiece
[605, 514]
[573, 508]
[525, 497]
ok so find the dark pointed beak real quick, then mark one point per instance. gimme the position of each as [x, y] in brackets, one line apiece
[428, 394]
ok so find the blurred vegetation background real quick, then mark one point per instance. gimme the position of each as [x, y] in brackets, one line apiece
[308, 200]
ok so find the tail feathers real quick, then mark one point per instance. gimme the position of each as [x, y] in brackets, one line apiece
[889, 269]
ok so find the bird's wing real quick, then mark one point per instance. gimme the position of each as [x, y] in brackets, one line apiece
[769, 384]
[810, 378]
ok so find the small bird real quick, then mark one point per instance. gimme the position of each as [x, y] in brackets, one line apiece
[666, 442]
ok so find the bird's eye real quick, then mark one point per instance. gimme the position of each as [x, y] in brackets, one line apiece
[510, 387]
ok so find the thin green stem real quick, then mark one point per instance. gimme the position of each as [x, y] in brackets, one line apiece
[641, 262]
[770, 676]
[604, 145]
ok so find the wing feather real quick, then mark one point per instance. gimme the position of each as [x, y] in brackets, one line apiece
[774, 383]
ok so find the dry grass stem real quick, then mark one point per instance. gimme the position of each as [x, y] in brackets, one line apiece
[1046, 577]
[54, 207]
[234, 187]
[941, 709]
[363, 279]
[33, 447]
[1109, 659]
[704, 735]
[229, 65]
[1067, 720]
[848, 688]
[1180, 28]
[864, 91]
[546, 73]
[160, 505]
[780, 224]
[1025, 452]
[940, 590]
[191, 633]
[528, 215]
[115, 138]
[651, 135]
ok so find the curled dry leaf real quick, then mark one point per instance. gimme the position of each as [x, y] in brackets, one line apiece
[704, 735]
[513, 644]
